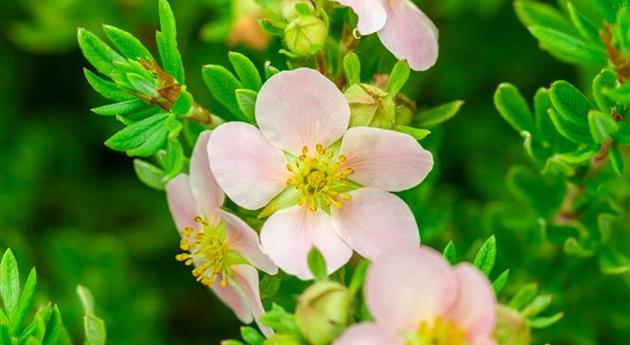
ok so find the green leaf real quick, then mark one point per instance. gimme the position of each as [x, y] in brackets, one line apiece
[121, 108]
[269, 286]
[252, 336]
[513, 108]
[247, 102]
[5, 334]
[281, 321]
[523, 296]
[183, 103]
[538, 305]
[143, 84]
[602, 126]
[397, 78]
[616, 159]
[534, 13]
[106, 88]
[9, 283]
[149, 174]
[174, 159]
[500, 282]
[486, 256]
[37, 328]
[127, 44]
[606, 79]
[245, 70]
[26, 298]
[53, 327]
[270, 70]
[544, 321]
[612, 261]
[99, 54]
[568, 129]
[450, 253]
[358, 277]
[416, 133]
[166, 40]
[145, 137]
[223, 85]
[438, 115]
[272, 27]
[572, 108]
[619, 94]
[352, 68]
[317, 264]
[569, 48]
[586, 28]
[94, 329]
[86, 298]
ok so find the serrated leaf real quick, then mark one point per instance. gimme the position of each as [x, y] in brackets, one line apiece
[544, 321]
[416, 133]
[523, 296]
[126, 43]
[569, 48]
[99, 54]
[397, 78]
[9, 282]
[534, 13]
[486, 256]
[223, 85]
[499, 283]
[450, 253]
[166, 40]
[513, 108]
[121, 108]
[26, 298]
[317, 264]
[352, 68]
[245, 70]
[247, 102]
[144, 137]
[602, 126]
[149, 174]
[438, 115]
[252, 336]
[106, 88]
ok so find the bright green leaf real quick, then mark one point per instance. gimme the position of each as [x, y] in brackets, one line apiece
[569, 48]
[106, 88]
[94, 329]
[174, 159]
[616, 159]
[438, 115]
[9, 282]
[121, 108]
[544, 321]
[26, 298]
[166, 40]
[416, 133]
[223, 85]
[252, 336]
[513, 108]
[534, 13]
[450, 253]
[397, 78]
[151, 130]
[486, 256]
[523, 296]
[127, 44]
[99, 54]
[352, 68]
[317, 264]
[149, 174]
[500, 282]
[601, 125]
[245, 70]
[247, 102]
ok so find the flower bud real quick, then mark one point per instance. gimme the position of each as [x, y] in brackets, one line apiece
[511, 327]
[323, 311]
[283, 339]
[370, 106]
[288, 8]
[306, 35]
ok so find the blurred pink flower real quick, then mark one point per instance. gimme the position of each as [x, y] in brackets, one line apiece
[416, 297]
[224, 250]
[402, 27]
[328, 185]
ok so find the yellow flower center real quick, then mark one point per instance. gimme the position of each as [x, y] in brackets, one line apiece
[320, 179]
[438, 332]
[208, 250]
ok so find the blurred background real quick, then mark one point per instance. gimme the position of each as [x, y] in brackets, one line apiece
[75, 209]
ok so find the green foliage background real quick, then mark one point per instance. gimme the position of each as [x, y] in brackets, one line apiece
[76, 210]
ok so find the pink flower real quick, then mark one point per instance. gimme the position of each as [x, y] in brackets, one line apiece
[328, 185]
[402, 27]
[416, 297]
[224, 250]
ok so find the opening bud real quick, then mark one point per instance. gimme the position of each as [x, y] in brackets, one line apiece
[323, 311]
[370, 106]
[306, 35]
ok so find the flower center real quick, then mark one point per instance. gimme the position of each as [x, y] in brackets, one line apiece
[319, 178]
[438, 332]
[206, 248]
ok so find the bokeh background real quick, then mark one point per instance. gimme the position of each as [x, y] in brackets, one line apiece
[76, 210]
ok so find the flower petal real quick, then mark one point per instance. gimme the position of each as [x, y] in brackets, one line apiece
[367, 333]
[205, 189]
[233, 297]
[372, 14]
[243, 239]
[245, 164]
[410, 35]
[385, 159]
[289, 234]
[301, 108]
[181, 202]
[476, 305]
[408, 286]
[375, 221]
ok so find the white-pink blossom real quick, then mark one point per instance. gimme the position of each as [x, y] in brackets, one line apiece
[324, 185]
[224, 250]
[416, 297]
[402, 27]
